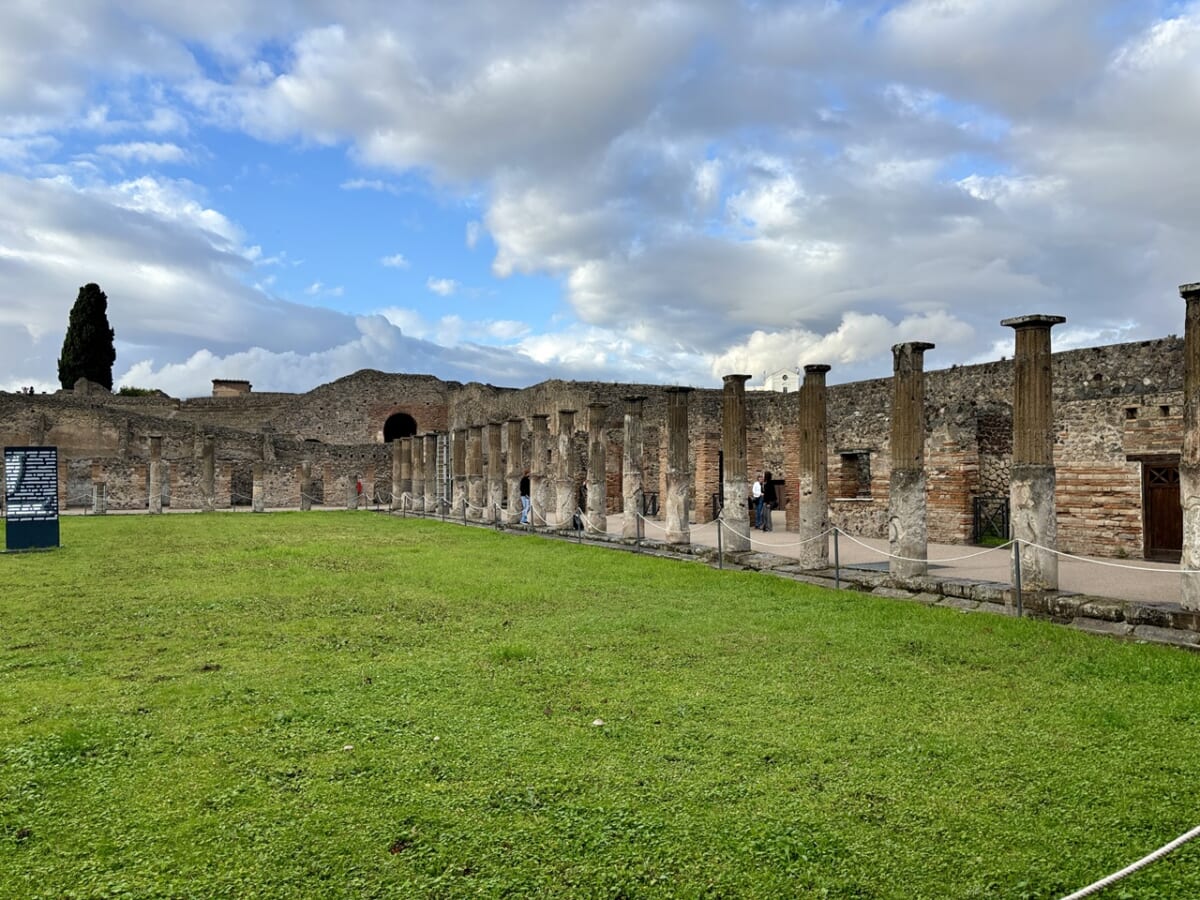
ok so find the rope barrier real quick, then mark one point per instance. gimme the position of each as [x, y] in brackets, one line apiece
[913, 559]
[1130, 869]
[1100, 562]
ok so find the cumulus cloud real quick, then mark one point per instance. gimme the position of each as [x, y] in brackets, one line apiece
[443, 287]
[712, 188]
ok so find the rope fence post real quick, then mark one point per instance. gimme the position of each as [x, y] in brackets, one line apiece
[720, 543]
[1017, 577]
[837, 562]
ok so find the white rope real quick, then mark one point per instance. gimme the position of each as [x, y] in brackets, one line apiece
[1129, 870]
[1098, 562]
[945, 559]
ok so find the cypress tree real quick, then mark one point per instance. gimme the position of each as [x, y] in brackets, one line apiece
[88, 350]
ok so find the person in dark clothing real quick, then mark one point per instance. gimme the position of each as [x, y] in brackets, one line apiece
[770, 499]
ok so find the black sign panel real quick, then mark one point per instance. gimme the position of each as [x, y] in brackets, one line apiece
[31, 497]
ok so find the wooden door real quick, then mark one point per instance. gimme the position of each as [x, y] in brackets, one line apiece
[1162, 511]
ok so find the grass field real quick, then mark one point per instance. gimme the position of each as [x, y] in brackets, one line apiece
[352, 705]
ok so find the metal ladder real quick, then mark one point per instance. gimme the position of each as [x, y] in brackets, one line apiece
[443, 489]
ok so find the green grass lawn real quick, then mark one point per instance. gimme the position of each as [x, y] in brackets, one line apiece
[352, 705]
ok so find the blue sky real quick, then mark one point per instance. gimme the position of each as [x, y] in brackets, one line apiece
[650, 191]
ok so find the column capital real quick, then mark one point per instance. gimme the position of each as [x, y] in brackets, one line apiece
[1034, 321]
[677, 390]
[566, 412]
[634, 398]
[597, 405]
[545, 417]
[1190, 291]
[736, 379]
[911, 347]
[816, 368]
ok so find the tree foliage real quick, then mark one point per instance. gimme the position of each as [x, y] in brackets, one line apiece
[88, 350]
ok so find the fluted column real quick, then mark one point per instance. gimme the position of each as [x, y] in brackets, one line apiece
[679, 471]
[813, 471]
[631, 469]
[475, 486]
[565, 477]
[597, 476]
[540, 446]
[495, 473]
[155, 473]
[1189, 457]
[418, 474]
[395, 504]
[907, 528]
[208, 472]
[406, 471]
[257, 489]
[458, 470]
[514, 471]
[306, 485]
[1031, 492]
[735, 515]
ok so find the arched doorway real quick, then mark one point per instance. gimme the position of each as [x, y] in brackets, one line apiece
[399, 425]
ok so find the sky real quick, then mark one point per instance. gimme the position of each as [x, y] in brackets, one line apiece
[287, 191]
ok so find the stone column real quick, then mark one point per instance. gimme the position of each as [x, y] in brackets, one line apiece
[306, 485]
[1031, 491]
[597, 476]
[476, 490]
[458, 469]
[537, 470]
[679, 473]
[155, 473]
[352, 497]
[99, 497]
[431, 473]
[565, 486]
[907, 530]
[735, 515]
[417, 488]
[257, 503]
[495, 472]
[1189, 457]
[406, 471]
[395, 504]
[514, 471]
[813, 471]
[208, 473]
[631, 469]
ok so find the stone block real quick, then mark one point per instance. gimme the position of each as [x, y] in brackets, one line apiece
[1102, 626]
[1172, 636]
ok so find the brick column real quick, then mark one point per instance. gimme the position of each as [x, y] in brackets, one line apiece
[429, 464]
[475, 486]
[537, 470]
[565, 477]
[1189, 457]
[406, 471]
[1031, 491]
[458, 469]
[515, 470]
[907, 529]
[495, 473]
[256, 490]
[813, 471]
[679, 472]
[155, 503]
[736, 515]
[631, 469]
[306, 485]
[597, 481]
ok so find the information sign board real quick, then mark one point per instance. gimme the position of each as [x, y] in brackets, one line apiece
[31, 497]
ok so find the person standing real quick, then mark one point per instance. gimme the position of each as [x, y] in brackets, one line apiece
[525, 502]
[756, 497]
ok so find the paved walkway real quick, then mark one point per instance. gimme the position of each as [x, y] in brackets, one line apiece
[1132, 579]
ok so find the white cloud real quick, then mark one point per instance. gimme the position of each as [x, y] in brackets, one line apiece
[144, 151]
[395, 261]
[443, 287]
[474, 230]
